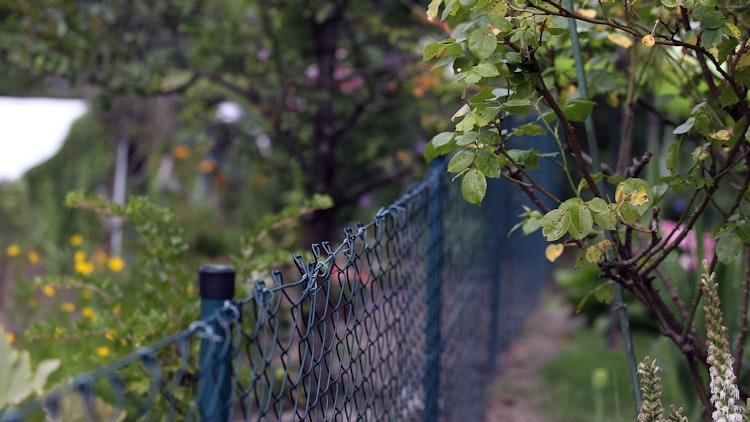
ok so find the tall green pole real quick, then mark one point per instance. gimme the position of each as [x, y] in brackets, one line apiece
[215, 388]
[619, 300]
[435, 251]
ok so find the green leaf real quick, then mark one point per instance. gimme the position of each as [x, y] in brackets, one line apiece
[711, 37]
[431, 151]
[685, 127]
[527, 158]
[728, 247]
[474, 186]
[442, 138]
[555, 224]
[659, 190]
[488, 137]
[432, 50]
[487, 163]
[461, 161]
[466, 138]
[728, 96]
[603, 213]
[743, 232]
[498, 7]
[482, 42]
[484, 115]
[581, 221]
[671, 4]
[467, 124]
[532, 223]
[578, 109]
[712, 19]
[604, 293]
[499, 22]
[486, 70]
[531, 129]
[673, 154]
[726, 48]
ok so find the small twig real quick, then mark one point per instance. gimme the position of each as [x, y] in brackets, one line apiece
[667, 281]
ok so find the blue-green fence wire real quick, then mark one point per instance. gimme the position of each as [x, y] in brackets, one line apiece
[403, 321]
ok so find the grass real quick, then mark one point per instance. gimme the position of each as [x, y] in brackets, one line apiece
[586, 360]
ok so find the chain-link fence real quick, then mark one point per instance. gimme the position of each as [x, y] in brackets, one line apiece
[402, 321]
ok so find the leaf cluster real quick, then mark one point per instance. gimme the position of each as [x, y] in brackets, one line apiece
[682, 65]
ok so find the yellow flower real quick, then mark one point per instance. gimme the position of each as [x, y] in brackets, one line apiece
[32, 302]
[10, 337]
[83, 267]
[33, 257]
[68, 307]
[207, 166]
[48, 290]
[86, 294]
[89, 313]
[116, 309]
[115, 264]
[102, 351]
[110, 335]
[57, 333]
[13, 250]
[79, 256]
[76, 240]
[181, 152]
[191, 289]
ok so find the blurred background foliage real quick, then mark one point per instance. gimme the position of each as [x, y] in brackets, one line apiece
[246, 129]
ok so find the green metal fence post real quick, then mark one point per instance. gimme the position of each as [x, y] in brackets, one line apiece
[433, 341]
[215, 389]
[496, 253]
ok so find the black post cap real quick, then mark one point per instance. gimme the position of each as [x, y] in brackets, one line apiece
[216, 281]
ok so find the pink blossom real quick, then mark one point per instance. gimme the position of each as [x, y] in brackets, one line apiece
[688, 246]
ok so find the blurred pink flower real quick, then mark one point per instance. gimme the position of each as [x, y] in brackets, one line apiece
[688, 247]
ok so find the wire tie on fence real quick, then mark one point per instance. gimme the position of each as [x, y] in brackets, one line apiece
[51, 405]
[202, 329]
[380, 215]
[230, 307]
[361, 230]
[118, 388]
[262, 294]
[83, 384]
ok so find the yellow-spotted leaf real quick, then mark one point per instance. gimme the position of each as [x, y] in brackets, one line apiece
[555, 224]
[639, 198]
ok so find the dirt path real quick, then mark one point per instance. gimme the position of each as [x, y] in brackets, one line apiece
[517, 392]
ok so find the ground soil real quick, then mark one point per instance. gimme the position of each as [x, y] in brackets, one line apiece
[517, 392]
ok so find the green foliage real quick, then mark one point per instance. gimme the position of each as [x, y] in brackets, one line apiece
[346, 103]
[684, 86]
[261, 250]
[114, 307]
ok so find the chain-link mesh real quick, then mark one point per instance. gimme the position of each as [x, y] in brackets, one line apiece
[403, 321]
